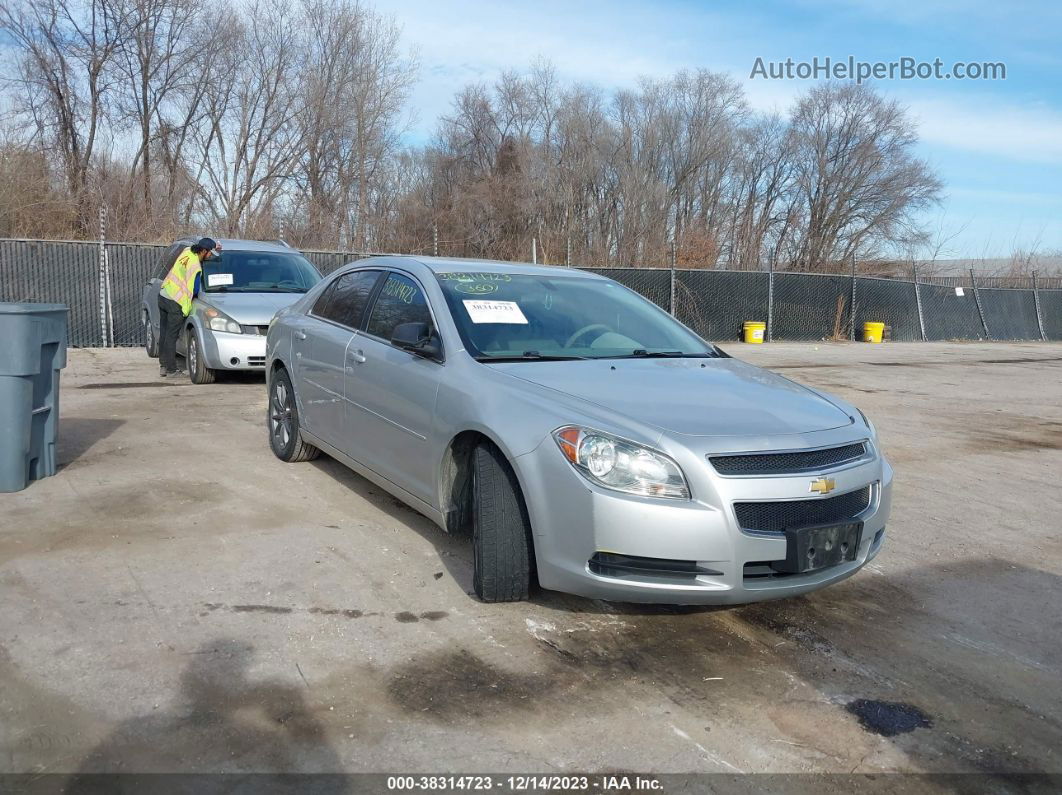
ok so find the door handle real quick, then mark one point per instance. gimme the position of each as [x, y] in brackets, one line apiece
[357, 356]
[300, 334]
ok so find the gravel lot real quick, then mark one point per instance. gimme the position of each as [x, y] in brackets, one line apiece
[196, 605]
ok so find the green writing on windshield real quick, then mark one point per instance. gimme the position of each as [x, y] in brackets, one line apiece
[474, 277]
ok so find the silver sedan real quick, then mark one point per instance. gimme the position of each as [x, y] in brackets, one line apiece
[587, 441]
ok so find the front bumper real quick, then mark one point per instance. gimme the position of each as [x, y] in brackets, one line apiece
[574, 519]
[225, 351]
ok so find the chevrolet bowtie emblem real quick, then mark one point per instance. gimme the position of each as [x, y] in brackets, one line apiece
[823, 485]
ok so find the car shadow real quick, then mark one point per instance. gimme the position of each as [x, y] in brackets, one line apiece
[223, 720]
[455, 551]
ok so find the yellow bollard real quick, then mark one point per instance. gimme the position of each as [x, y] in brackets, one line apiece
[753, 331]
[873, 332]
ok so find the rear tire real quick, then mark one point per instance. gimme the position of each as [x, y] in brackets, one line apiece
[151, 343]
[197, 369]
[501, 530]
[282, 421]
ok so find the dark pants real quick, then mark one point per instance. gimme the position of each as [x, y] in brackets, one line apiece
[171, 319]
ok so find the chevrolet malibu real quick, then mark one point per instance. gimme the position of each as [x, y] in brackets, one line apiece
[586, 440]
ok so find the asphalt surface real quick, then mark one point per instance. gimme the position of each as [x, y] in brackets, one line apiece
[193, 604]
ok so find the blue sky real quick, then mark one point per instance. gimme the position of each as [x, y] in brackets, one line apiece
[996, 144]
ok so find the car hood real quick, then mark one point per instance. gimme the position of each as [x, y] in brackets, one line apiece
[695, 397]
[251, 309]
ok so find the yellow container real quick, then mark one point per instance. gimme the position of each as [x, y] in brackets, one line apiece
[873, 332]
[754, 331]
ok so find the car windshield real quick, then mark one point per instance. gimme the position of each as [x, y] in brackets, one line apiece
[503, 316]
[259, 272]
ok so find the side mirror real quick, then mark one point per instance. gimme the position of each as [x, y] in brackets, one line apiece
[418, 339]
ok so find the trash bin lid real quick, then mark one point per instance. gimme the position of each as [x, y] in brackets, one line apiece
[29, 308]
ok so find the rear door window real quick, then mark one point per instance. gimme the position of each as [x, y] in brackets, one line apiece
[400, 301]
[345, 299]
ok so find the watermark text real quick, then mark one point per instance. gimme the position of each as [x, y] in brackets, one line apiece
[905, 68]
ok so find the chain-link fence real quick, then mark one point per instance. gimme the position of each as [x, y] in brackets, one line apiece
[716, 303]
[103, 286]
[131, 267]
[60, 273]
[891, 302]
[1051, 312]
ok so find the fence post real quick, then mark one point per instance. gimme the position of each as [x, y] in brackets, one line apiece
[1039, 312]
[568, 253]
[851, 306]
[435, 240]
[534, 251]
[671, 299]
[103, 275]
[770, 300]
[977, 300]
[918, 303]
[110, 295]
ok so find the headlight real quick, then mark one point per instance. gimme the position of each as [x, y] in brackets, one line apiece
[221, 322]
[869, 424]
[621, 465]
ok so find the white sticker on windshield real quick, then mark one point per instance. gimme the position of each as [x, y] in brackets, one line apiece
[494, 312]
[219, 279]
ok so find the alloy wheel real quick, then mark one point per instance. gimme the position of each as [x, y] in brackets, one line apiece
[193, 353]
[280, 420]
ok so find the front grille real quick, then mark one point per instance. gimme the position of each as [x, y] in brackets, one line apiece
[780, 515]
[782, 463]
[260, 331]
[256, 361]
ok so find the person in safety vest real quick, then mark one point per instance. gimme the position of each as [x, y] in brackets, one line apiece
[179, 288]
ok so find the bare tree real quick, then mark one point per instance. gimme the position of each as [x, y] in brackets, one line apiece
[159, 48]
[248, 139]
[857, 183]
[356, 83]
[65, 48]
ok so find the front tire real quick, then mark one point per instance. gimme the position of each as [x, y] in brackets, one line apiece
[501, 530]
[151, 343]
[197, 369]
[282, 420]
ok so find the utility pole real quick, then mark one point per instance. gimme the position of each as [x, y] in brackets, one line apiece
[534, 251]
[434, 240]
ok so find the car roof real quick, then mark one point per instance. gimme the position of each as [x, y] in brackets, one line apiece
[461, 265]
[237, 244]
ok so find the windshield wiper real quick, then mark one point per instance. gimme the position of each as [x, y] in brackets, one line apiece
[531, 356]
[642, 353]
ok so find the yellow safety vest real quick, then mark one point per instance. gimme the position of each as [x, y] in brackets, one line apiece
[180, 281]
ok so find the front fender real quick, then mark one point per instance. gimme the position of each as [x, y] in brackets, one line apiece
[208, 347]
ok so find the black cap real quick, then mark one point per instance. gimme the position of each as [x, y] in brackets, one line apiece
[206, 244]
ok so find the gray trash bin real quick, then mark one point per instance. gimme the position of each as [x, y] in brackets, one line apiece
[32, 352]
